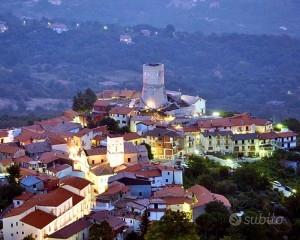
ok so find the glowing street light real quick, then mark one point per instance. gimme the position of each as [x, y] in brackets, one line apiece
[279, 125]
[216, 114]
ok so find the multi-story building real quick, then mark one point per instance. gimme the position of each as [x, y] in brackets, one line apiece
[44, 214]
[165, 143]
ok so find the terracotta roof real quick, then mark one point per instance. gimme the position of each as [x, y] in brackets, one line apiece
[6, 162]
[83, 132]
[30, 135]
[3, 133]
[121, 110]
[268, 135]
[48, 157]
[204, 196]
[71, 229]
[38, 147]
[114, 188]
[53, 199]
[96, 151]
[115, 223]
[76, 182]
[237, 120]
[177, 200]
[175, 191]
[103, 103]
[23, 159]
[24, 196]
[27, 172]
[58, 168]
[103, 169]
[149, 173]
[286, 134]
[55, 138]
[38, 219]
[191, 129]
[131, 136]
[9, 148]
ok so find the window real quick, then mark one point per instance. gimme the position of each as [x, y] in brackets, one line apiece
[140, 194]
[129, 160]
[18, 202]
[168, 173]
[93, 162]
[155, 206]
[167, 180]
[16, 223]
[12, 225]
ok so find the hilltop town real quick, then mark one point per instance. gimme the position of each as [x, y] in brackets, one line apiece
[127, 159]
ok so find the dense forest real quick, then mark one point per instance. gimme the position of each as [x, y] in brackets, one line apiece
[40, 68]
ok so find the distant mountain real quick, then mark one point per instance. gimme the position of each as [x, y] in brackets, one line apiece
[40, 68]
[240, 16]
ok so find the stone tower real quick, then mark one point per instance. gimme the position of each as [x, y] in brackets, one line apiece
[154, 92]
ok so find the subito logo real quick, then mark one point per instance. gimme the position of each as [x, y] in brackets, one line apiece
[235, 220]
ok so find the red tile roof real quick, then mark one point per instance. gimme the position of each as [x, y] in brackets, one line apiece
[286, 134]
[76, 182]
[237, 120]
[121, 110]
[131, 136]
[114, 188]
[3, 133]
[53, 199]
[204, 196]
[23, 159]
[71, 229]
[38, 219]
[24, 196]
[83, 132]
[9, 148]
[175, 191]
[48, 157]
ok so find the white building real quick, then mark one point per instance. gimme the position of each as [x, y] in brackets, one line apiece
[121, 115]
[115, 151]
[44, 214]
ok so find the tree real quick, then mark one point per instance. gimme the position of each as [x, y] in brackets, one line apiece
[145, 222]
[28, 237]
[102, 231]
[83, 102]
[207, 181]
[14, 174]
[214, 222]
[293, 124]
[173, 225]
[247, 178]
[150, 154]
[111, 124]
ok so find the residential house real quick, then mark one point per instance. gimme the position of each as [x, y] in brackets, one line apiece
[165, 143]
[138, 186]
[79, 229]
[10, 151]
[122, 115]
[44, 214]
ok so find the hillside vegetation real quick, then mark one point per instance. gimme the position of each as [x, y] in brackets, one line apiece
[238, 72]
